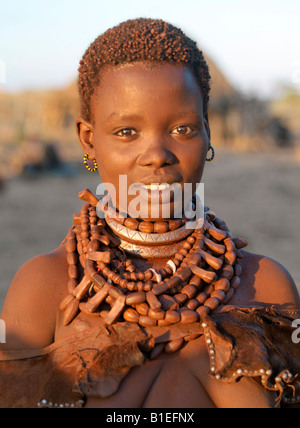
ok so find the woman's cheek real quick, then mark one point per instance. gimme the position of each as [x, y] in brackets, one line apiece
[194, 168]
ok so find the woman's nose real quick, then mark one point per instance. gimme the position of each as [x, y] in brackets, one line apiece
[157, 154]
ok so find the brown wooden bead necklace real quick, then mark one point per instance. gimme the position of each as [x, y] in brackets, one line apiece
[201, 276]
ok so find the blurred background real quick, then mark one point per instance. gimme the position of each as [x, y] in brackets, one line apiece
[253, 51]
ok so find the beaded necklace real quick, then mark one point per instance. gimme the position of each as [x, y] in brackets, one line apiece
[203, 274]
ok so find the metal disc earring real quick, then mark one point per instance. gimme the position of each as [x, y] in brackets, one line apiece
[87, 162]
[213, 154]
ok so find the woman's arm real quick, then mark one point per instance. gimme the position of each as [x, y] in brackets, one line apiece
[32, 302]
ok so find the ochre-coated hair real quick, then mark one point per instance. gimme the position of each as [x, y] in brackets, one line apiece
[140, 40]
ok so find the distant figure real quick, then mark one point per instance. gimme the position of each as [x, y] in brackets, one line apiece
[49, 163]
[280, 133]
[51, 160]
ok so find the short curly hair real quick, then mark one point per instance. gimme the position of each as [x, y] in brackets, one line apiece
[140, 40]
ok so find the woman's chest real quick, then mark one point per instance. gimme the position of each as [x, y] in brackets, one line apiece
[167, 382]
[179, 380]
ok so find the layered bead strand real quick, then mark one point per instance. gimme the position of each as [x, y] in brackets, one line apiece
[202, 275]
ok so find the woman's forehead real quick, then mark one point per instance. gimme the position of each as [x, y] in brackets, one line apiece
[146, 71]
[143, 84]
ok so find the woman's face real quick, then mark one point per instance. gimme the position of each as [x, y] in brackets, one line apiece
[148, 125]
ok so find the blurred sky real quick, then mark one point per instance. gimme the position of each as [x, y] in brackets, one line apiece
[255, 42]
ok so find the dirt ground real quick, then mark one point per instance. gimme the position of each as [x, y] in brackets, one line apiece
[257, 194]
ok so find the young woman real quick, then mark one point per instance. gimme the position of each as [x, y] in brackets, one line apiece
[147, 312]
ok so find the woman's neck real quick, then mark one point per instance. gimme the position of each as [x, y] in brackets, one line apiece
[145, 264]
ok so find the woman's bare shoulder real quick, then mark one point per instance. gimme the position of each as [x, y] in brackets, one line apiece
[264, 280]
[32, 301]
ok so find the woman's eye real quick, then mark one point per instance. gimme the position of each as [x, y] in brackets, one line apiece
[182, 130]
[126, 132]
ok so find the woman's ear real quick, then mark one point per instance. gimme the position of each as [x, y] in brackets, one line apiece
[85, 132]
